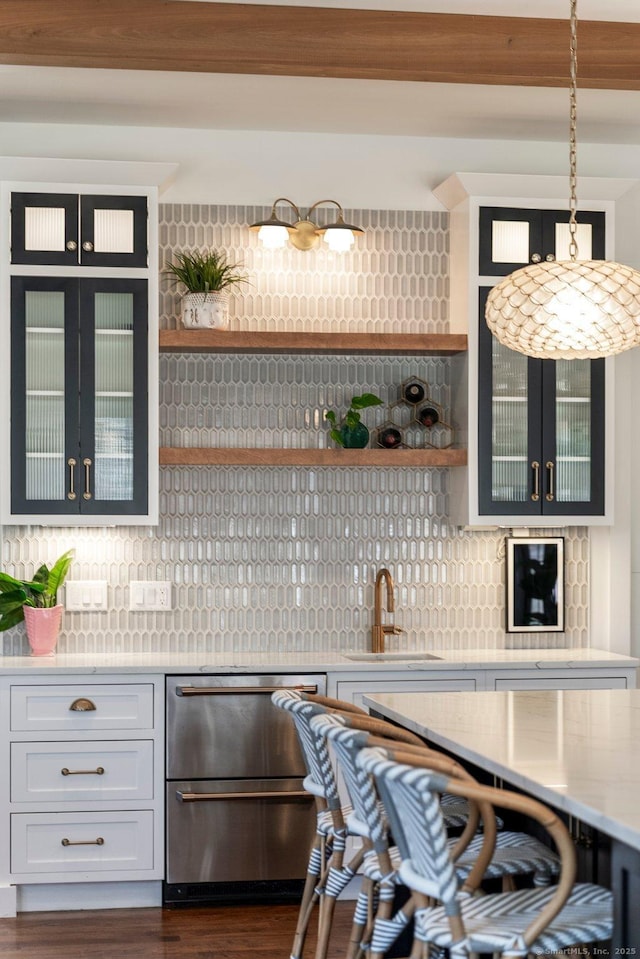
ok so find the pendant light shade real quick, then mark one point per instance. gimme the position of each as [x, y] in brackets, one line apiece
[567, 309]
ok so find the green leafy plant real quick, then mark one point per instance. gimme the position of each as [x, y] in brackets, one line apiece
[351, 418]
[207, 271]
[40, 592]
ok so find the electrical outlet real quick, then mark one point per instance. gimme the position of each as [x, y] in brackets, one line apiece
[150, 595]
[85, 594]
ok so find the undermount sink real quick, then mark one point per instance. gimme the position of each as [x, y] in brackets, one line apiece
[407, 657]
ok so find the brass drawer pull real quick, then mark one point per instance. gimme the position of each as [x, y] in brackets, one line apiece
[83, 772]
[83, 842]
[82, 706]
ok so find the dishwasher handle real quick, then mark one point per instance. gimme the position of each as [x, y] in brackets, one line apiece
[230, 690]
[212, 797]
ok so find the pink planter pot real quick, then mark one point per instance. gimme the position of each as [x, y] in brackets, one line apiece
[43, 628]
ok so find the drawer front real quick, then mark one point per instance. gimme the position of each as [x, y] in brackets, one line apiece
[56, 708]
[61, 772]
[81, 842]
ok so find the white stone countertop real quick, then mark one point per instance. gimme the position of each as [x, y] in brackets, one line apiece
[273, 661]
[576, 750]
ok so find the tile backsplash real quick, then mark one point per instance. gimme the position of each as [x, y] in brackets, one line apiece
[285, 558]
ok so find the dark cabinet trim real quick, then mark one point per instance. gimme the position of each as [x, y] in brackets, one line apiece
[79, 215]
[79, 404]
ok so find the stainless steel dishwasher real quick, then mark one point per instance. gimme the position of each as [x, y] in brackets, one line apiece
[239, 823]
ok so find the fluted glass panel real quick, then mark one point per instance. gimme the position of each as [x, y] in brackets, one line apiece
[45, 395]
[113, 231]
[584, 239]
[114, 396]
[509, 451]
[44, 228]
[510, 241]
[573, 431]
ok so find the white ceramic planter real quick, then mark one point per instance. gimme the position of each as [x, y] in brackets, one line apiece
[205, 311]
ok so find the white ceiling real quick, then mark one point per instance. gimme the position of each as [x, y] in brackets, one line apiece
[239, 102]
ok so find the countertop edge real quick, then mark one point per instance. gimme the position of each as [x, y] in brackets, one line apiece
[333, 662]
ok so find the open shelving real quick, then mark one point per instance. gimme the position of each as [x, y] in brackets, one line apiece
[355, 344]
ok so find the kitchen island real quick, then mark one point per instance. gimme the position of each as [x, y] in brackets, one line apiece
[575, 750]
[41, 716]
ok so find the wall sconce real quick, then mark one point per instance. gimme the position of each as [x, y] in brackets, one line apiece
[304, 234]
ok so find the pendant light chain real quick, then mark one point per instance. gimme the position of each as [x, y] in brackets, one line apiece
[573, 118]
[568, 309]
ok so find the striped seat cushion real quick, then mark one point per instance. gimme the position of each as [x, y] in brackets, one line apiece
[516, 854]
[496, 923]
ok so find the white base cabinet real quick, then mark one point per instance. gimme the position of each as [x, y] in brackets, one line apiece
[346, 686]
[83, 801]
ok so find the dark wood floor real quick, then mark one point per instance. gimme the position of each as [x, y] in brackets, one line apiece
[218, 932]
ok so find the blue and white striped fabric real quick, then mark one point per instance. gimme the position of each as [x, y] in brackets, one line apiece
[494, 923]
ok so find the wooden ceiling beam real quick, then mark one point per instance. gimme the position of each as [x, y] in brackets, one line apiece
[315, 42]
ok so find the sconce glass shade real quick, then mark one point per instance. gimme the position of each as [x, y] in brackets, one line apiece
[273, 232]
[569, 309]
[339, 236]
[273, 236]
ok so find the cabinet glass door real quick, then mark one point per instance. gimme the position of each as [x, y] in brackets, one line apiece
[573, 454]
[44, 228]
[113, 231]
[508, 434]
[44, 420]
[114, 395]
[541, 432]
[79, 396]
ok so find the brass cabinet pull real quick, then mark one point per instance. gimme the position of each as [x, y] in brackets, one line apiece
[71, 245]
[535, 466]
[71, 463]
[83, 842]
[87, 463]
[82, 772]
[87, 246]
[550, 470]
[82, 705]
[535, 257]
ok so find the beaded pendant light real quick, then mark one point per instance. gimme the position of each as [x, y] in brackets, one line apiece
[568, 309]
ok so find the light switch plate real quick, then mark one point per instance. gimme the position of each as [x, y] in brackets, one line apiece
[86, 594]
[149, 595]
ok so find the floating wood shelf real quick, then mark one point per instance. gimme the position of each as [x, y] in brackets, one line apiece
[247, 341]
[206, 456]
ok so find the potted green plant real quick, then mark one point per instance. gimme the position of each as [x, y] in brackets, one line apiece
[36, 602]
[350, 432]
[207, 276]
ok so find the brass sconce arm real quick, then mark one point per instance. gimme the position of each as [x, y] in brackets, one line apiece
[304, 234]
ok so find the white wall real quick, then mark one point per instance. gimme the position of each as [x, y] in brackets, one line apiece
[252, 167]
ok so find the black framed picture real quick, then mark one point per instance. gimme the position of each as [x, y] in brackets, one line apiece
[535, 584]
